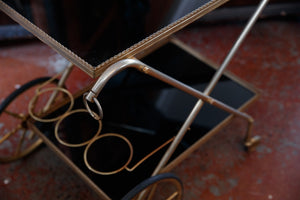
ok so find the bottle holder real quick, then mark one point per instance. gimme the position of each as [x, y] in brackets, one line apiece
[115, 143]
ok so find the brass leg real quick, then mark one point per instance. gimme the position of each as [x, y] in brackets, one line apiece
[251, 141]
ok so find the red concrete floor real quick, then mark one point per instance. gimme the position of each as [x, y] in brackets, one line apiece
[269, 59]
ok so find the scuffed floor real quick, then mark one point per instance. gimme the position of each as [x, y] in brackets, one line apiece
[269, 59]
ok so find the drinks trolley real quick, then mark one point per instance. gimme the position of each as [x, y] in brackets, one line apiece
[142, 127]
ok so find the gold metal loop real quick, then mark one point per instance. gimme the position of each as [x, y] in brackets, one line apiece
[79, 144]
[98, 138]
[96, 117]
[34, 99]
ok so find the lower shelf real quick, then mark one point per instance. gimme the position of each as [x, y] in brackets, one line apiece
[147, 112]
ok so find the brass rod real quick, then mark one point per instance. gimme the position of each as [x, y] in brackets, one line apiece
[212, 84]
[172, 196]
[65, 74]
[171, 81]
[18, 149]
[16, 115]
[149, 155]
[6, 136]
[126, 63]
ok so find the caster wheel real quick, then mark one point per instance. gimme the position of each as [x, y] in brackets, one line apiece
[165, 186]
[16, 139]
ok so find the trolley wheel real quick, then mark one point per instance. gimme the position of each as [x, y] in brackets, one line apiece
[165, 186]
[16, 140]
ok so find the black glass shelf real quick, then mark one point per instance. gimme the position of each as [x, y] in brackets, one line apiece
[148, 113]
[95, 34]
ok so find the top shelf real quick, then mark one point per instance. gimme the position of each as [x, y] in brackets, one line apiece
[95, 34]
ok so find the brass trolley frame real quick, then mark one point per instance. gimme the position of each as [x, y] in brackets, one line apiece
[129, 59]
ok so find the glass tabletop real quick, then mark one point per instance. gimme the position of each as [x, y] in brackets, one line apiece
[95, 34]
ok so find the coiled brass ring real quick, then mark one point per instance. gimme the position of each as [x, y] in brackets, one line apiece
[86, 160]
[33, 101]
[78, 144]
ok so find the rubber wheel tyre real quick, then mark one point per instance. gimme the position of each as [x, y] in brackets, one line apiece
[167, 178]
[31, 142]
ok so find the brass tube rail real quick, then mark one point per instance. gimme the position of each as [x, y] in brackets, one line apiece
[248, 141]
[126, 63]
